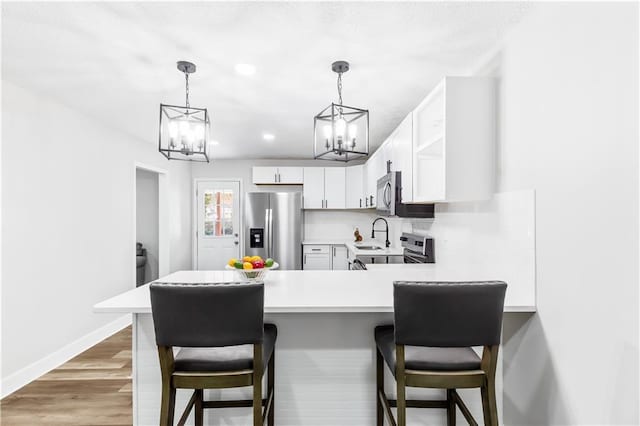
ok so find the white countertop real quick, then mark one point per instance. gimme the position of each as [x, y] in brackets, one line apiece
[322, 291]
[328, 242]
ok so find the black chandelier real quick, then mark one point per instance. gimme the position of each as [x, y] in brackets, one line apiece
[341, 132]
[184, 130]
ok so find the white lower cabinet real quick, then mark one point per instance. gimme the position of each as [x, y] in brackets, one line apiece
[340, 261]
[324, 257]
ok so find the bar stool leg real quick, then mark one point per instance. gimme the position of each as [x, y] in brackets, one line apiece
[451, 408]
[400, 380]
[271, 375]
[198, 410]
[489, 406]
[168, 404]
[379, 388]
[257, 385]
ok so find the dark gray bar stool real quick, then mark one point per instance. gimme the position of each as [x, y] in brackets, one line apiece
[223, 343]
[436, 324]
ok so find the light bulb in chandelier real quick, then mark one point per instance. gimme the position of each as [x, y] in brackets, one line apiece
[353, 131]
[341, 126]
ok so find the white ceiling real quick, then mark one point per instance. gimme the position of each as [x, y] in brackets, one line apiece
[116, 61]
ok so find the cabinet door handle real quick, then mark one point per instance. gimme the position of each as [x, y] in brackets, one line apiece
[279, 178]
[360, 202]
[366, 202]
[305, 259]
[315, 249]
[275, 177]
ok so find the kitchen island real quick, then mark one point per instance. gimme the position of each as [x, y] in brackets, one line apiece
[325, 353]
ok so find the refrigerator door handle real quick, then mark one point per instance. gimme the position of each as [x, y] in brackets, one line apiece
[270, 233]
[267, 230]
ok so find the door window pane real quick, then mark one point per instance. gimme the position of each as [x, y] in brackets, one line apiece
[218, 213]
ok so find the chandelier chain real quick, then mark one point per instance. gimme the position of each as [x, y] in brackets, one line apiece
[186, 78]
[340, 88]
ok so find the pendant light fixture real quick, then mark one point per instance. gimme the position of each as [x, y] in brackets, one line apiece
[341, 132]
[184, 130]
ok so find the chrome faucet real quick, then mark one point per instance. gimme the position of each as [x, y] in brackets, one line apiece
[387, 243]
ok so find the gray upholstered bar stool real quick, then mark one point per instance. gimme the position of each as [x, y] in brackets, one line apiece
[223, 343]
[430, 346]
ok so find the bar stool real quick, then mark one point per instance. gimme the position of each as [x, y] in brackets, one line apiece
[429, 346]
[223, 343]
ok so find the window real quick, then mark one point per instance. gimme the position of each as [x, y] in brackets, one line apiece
[218, 213]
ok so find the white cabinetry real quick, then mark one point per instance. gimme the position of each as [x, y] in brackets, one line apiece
[277, 175]
[453, 141]
[354, 187]
[340, 261]
[324, 188]
[374, 170]
[324, 257]
[334, 188]
[401, 142]
[317, 257]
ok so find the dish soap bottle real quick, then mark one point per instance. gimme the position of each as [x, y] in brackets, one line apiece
[357, 235]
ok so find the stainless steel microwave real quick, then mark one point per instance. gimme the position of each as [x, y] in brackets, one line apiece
[389, 199]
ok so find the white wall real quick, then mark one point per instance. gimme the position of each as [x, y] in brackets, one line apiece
[568, 129]
[68, 226]
[147, 219]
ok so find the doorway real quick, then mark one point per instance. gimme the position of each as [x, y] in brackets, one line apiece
[217, 221]
[151, 215]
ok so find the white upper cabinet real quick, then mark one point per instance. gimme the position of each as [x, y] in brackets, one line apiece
[324, 188]
[453, 141]
[277, 175]
[355, 187]
[313, 188]
[375, 168]
[401, 156]
[334, 188]
[265, 175]
[290, 175]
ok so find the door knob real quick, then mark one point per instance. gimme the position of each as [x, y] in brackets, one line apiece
[236, 243]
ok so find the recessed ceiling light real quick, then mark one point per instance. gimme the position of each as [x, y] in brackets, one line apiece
[214, 143]
[268, 136]
[245, 69]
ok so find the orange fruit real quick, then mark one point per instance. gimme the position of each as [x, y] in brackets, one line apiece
[247, 265]
[232, 262]
[246, 259]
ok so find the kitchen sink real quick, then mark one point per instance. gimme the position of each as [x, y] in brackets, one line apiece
[368, 248]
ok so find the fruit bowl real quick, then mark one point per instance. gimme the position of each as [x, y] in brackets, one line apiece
[252, 274]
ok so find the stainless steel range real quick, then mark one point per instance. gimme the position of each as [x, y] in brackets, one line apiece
[417, 248]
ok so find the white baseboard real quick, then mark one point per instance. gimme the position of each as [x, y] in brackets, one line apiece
[31, 372]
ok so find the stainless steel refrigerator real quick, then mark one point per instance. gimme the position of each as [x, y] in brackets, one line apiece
[273, 227]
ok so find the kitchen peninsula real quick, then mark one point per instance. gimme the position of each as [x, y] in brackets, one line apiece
[325, 351]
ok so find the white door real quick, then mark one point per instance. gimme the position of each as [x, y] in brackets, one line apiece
[313, 188]
[334, 189]
[401, 152]
[340, 258]
[354, 187]
[218, 221]
[265, 175]
[290, 175]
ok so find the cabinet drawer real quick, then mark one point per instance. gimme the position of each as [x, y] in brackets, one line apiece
[316, 249]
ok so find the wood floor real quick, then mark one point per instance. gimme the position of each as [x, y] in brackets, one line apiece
[93, 388]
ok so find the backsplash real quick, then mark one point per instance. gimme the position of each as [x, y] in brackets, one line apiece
[340, 224]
